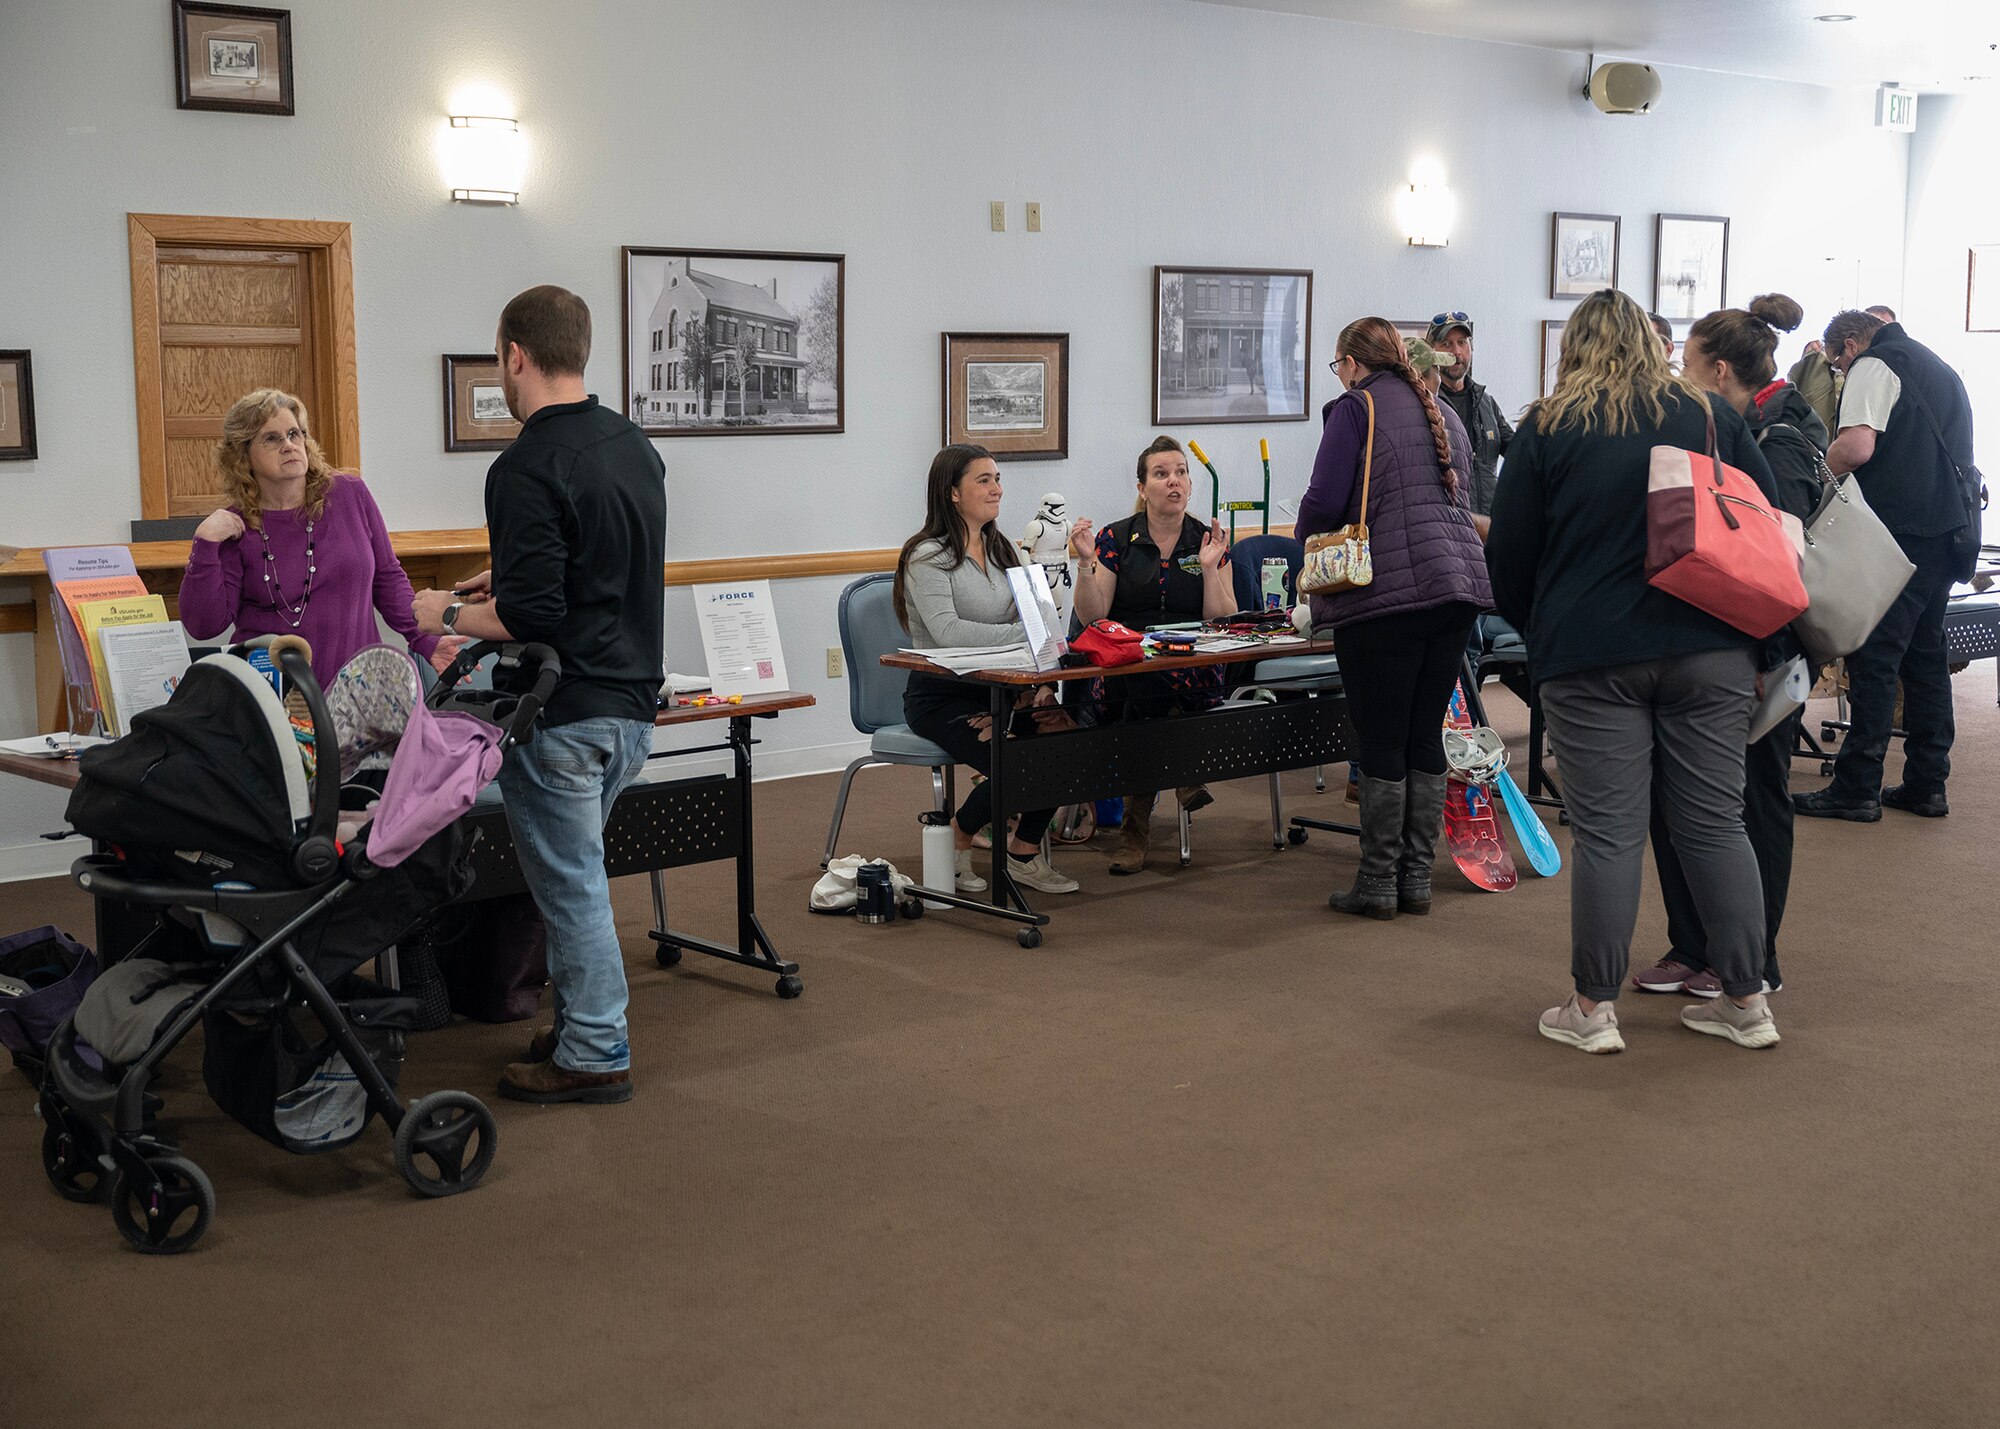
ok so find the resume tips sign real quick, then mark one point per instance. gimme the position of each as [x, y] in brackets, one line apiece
[739, 635]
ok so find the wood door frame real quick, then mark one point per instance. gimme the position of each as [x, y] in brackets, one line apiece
[330, 299]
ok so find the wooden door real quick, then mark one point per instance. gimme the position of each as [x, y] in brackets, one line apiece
[220, 307]
[231, 320]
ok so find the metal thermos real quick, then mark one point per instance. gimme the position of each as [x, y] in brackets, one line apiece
[940, 857]
[874, 894]
[1275, 570]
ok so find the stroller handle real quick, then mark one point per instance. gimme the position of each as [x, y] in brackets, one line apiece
[315, 859]
[521, 719]
[98, 874]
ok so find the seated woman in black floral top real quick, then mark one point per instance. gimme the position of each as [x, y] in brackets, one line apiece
[1158, 566]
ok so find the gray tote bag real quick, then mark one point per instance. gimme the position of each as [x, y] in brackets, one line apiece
[1853, 570]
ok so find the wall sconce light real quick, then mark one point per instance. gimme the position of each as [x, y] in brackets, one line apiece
[484, 159]
[1427, 214]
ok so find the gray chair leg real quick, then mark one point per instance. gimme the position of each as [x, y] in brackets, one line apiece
[1187, 838]
[840, 805]
[941, 788]
[1319, 778]
[1277, 814]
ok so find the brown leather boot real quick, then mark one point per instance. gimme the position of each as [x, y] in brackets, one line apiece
[1194, 796]
[1131, 856]
[552, 1082]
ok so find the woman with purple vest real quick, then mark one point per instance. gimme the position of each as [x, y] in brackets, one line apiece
[1400, 638]
[300, 550]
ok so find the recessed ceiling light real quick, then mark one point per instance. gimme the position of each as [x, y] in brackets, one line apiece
[1833, 19]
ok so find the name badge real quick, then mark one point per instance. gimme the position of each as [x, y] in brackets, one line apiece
[1191, 564]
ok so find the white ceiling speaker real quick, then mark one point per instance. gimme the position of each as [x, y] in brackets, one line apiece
[1618, 88]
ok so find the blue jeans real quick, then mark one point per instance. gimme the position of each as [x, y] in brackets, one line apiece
[559, 788]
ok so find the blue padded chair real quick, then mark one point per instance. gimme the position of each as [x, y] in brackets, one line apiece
[869, 630]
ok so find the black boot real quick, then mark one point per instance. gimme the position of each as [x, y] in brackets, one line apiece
[1421, 824]
[1382, 817]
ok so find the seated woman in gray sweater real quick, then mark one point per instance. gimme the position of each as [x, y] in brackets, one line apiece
[951, 590]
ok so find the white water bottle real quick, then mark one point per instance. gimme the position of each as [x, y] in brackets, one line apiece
[940, 856]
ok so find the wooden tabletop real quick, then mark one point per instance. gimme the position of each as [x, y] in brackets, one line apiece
[60, 772]
[765, 704]
[1159, 665]
[63, 772]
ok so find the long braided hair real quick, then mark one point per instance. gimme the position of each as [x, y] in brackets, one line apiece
[1375, 344]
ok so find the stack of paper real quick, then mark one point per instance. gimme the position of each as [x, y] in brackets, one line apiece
[50, 746]
[143, 665]
[960, 658]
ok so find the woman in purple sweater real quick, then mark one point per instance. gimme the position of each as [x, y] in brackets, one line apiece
[1400, 638]
[300, 549]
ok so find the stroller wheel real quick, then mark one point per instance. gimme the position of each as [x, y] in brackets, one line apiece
[68, 1159]
[171, 1220]
[446, 1143]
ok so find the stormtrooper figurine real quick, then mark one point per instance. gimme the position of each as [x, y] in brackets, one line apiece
[1046, 544]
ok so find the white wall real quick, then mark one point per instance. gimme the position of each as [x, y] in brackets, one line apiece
[1953, 204]
[1151, 131]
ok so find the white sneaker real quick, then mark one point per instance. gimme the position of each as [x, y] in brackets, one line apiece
[1039, 873]
[1751, 1026]
[1597, 1032]
[966, 880]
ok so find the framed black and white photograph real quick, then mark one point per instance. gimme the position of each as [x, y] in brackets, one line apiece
[1690, 265]
[1231, 345]
[476, 415]
[1409, 330]
[1008, 392]
[1552, 341]
[721, 343]
[17, 406]
[1982, 288]
[1583, 254]
[232, 57]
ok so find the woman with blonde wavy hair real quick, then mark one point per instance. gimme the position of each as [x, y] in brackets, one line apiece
[301, 549]
[1636, 685]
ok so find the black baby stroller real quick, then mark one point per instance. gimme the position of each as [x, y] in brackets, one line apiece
[213, 821]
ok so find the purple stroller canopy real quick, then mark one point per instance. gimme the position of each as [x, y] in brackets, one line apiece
[442, 758]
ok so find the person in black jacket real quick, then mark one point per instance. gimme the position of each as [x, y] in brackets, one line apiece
[1729, 353]
[576, 510]
[1906, 434]
[1451, 335]
[1630, 676]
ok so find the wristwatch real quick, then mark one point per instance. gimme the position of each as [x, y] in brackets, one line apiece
[449, 620]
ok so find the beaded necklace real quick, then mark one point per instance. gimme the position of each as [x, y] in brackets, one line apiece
[293, 616]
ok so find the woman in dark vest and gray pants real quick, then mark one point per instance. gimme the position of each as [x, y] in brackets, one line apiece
[1401, 637]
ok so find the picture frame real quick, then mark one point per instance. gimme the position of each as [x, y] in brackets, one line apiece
[233, 58]
[700, 328]
[1552, 333]
[1231, 345]
[472, 420]
[1008, 392]
[1982, 304]
[1583, 254]
[1408, 330]
[1690, 265]
[17, 405]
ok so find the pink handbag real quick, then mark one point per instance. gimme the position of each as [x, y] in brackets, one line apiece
[1714, 541]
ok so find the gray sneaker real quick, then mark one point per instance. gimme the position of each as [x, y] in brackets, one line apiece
[1750, 1026]
[1039, 873]
[1597, 1032]
[966, 880]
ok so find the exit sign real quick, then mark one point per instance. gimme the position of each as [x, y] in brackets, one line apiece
[1895, 109]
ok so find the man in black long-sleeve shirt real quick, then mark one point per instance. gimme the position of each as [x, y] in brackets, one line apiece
[576, 510]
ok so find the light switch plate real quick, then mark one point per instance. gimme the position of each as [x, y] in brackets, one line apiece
[998, 208]
[1034, 218]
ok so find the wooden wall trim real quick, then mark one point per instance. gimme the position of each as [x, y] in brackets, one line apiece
[172, 555]
[146, 378]
[330, 278]
[17, 619]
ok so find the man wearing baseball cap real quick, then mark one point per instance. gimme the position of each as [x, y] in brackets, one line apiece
[1451, 335]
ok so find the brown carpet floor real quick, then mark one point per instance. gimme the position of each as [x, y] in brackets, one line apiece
[1210, 1156]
